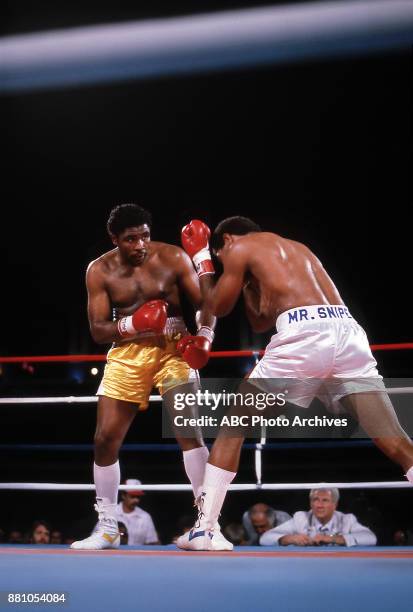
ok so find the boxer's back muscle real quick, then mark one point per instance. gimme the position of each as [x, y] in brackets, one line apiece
[287, 273]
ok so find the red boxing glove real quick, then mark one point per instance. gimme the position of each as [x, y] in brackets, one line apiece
[149, 317]
[195, 238]
[195, 349]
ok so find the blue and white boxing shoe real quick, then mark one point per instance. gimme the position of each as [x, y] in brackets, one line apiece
[203, 539]
[201, 536]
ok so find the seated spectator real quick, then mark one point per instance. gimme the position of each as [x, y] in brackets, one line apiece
[260, 518]
[15, 537]
[39, 533]
[138, 523]
[235, 533]
[403, 537]
[56, 537]
[322, 525]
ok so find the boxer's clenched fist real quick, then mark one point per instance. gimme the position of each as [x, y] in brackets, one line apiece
[149, 317]
[195, 237]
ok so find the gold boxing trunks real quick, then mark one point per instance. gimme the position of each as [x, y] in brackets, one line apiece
[133, 369]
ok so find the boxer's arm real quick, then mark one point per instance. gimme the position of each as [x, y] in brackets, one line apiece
[195, 289]
[102, 329]
[252, 299]
[195, 349]
[223, 297]
[258, 321]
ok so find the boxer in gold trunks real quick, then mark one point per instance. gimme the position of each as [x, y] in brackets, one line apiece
[134, 303]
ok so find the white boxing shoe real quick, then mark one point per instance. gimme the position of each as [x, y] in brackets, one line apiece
[196, 539]
[203, 539]
[200, 537]
[99, 540]
[219, 537]
[106, 535]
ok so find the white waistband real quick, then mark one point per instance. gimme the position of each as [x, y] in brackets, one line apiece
[303, 314]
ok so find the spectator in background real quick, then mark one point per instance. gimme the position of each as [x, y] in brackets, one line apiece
[2, 535]
[259, 519]
[15, 537]
[138, 522]
[403, 537]
[39, 533]
[322, 525]
[235, 533]
[56, 537]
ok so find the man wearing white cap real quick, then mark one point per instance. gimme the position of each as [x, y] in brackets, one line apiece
[138, 522]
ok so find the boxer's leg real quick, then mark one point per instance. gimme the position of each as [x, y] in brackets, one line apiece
[376, 415]
[114, 418]
[219, 472]
[195, 453]
[195, 457]
[204, 535]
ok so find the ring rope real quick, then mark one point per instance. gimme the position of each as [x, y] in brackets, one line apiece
[150, 447]
[51, 486]
[214, 354]
[259, 447]
[71, 399]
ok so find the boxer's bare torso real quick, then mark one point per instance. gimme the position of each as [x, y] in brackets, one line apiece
[128, 287]
[126, 277]
[275, 274]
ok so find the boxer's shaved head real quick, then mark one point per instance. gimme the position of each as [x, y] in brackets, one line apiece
[127, 215]
[238, 226]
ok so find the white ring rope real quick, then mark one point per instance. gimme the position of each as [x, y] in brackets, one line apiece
[185, 487]
[223, 40]
[51, 486]
[71, 399]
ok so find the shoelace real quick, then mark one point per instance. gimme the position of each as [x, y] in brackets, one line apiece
[104, 519]
[199, 503]
[101, 512]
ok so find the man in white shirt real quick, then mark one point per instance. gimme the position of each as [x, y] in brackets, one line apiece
[139, 523]
[322, 525]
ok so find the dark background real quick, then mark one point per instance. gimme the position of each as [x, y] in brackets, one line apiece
[319, 152]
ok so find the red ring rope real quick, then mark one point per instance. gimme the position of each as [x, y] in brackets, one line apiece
[246, 353]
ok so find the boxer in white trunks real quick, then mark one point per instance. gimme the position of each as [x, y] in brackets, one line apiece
[283, 283]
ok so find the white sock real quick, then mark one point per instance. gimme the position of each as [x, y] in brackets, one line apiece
[107, 481]
[409, 474]
[194, 462]
[215, 487]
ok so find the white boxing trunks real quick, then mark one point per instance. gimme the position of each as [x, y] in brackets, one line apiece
[324, 352]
